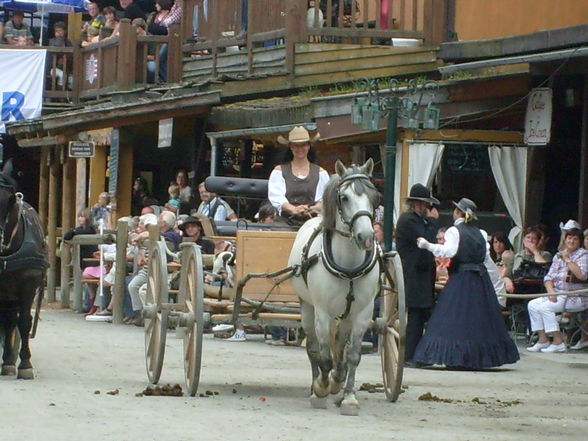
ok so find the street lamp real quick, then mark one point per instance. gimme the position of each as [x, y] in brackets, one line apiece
[399, 100]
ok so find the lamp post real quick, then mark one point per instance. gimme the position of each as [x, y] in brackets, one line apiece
[399, 100]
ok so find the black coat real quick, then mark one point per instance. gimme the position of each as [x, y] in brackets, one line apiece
[418, 265]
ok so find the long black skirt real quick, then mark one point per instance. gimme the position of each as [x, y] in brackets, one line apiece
[466, 328]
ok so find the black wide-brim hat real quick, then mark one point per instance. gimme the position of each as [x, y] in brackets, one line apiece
[418, 192]
[466, 205]
[189, 220]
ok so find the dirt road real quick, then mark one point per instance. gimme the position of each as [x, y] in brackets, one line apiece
[262, 395]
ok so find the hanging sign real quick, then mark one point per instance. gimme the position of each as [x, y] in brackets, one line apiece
[166, 128]
[538, 117]
[81, 149]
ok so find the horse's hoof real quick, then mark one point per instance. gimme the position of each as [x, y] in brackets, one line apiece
[25, 374]
[350, 406]
[318, 403]
[338, 399]
[335, 387]
[319, 390]
[349, 409]
[8, 369]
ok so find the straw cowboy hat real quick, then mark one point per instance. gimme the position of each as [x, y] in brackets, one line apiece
[569, 225]
[298, 135]
[466, 205]
[418, 192]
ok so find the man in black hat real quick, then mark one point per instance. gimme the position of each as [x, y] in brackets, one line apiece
[418, 266]
[192, 230]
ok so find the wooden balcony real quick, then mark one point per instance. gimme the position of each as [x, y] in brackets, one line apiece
[337, 45]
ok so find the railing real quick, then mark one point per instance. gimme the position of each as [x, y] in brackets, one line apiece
[78, 73]
[289, 22]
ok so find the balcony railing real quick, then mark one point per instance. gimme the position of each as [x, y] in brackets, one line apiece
[208, 34]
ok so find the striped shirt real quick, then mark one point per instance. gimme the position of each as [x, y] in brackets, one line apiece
[561, 277]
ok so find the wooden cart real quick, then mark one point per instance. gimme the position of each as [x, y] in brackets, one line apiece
[260, 257]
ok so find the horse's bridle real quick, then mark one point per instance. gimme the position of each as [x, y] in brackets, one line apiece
[364, 180]
[19, 197]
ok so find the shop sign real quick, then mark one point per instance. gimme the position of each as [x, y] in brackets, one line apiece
[166, 129]
[538, 117]
[81, 149]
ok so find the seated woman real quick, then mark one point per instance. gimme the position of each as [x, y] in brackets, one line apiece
[501, 251]
[568, 272]
[192, 230]
[530, 253]
[296, 187]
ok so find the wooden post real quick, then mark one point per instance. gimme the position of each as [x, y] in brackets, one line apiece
[187, 27]
[77, 73]
[125, 178]
[213, 16]
[435, 22]
[97, 174]
[296, 31]
[43, 186]
[77, 278]
[118, 290]
[66, 225]
[174, 54]
[74, 27]
[82, 184]
[54, 177]
[127, 53]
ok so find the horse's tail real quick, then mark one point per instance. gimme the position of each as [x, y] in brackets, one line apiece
[40, 291]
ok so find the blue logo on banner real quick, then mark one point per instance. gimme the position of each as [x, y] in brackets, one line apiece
[12, 102]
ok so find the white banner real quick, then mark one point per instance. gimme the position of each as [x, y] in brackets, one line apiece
[21, 84]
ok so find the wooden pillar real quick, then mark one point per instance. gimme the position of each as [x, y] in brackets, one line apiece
[97, 174]
[127, 53]
[81, 184]
[74, 26]
[53, 212]
[125, 179]
[118, 290]
[43, 186]
[67, 216]
[174, 54]
[296, 31]
[583, 190]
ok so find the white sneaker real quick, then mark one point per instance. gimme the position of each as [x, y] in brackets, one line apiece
[555, 348]
[537, 347]
[580, 345]
[239, 335]
[223, 327]
[98, 318]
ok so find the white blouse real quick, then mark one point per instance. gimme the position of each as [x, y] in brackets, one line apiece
[449, 248]
[276, 188]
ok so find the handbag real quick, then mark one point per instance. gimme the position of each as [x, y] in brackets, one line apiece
[531, 270]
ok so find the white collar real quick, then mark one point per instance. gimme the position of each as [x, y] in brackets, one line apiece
[458, 221]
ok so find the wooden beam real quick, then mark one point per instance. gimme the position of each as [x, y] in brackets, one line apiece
[53, 209]
[43, 187]
[66, 224]
[47, 141]
[82, 184]
[496, 136]
[125, 179]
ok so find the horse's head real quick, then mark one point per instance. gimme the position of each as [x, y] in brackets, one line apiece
[354, 197]
[8, 201]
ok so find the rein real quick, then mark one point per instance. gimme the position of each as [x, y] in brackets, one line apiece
[6, 246]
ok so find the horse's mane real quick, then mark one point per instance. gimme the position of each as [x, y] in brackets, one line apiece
[7, 182]
[329, 208]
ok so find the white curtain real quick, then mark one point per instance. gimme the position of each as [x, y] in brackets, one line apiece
[424, 162]
[509, 166]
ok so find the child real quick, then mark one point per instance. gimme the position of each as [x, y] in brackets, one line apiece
[101, 210]
[173, 204]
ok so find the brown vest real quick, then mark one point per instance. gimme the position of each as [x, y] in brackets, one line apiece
[301, 191]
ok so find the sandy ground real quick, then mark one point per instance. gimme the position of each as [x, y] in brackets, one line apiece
[262, 394]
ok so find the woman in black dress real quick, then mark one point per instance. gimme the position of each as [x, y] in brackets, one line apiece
[466, 328]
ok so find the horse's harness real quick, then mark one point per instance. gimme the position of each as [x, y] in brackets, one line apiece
[372, 256]
[28, 254]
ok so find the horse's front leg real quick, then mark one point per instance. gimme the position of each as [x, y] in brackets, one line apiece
[25, 368]
[339, 372]
[312, 350]
[350, 405]
[8, 320]
[321, 386]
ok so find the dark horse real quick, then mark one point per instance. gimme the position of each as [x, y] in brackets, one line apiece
[23, 261]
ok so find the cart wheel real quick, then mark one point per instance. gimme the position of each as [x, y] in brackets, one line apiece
[191, 295]
[153, 313]
[393, 334]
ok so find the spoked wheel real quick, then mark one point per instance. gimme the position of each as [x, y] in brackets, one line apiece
[393, 330]
[191, 295]
[155, 316]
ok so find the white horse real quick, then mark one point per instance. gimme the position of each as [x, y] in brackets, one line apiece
[337, 280]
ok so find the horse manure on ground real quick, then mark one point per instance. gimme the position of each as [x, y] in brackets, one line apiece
[166, 390]
[430, 397]
[372, 388]
[113, 392]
